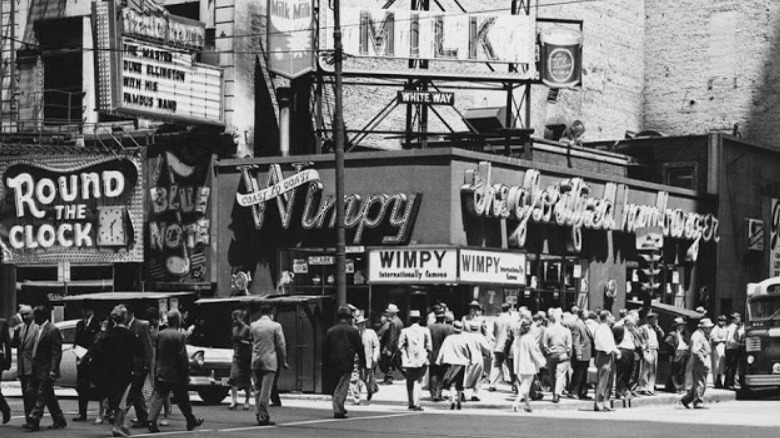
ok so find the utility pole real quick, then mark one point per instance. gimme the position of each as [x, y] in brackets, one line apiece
[338, 134]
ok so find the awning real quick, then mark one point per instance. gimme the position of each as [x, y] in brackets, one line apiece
[269, 299]
[659, 307]
[127, 296]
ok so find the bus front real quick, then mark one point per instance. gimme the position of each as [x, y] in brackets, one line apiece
[762, 336]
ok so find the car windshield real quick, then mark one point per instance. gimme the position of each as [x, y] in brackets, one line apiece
[765, 307]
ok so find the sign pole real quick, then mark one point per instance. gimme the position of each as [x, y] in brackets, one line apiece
[338, 134]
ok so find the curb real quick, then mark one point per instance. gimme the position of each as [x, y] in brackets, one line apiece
[712, 396]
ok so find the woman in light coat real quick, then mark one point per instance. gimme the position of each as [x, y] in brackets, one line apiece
[528, 360]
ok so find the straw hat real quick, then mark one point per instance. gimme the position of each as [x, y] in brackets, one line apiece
[706, 323]
[392, 308]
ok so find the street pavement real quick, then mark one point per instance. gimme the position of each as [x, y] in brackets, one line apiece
[313, 418]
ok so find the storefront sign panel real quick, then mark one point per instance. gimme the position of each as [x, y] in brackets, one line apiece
[492, 267]
[413, 265]
[72, 209]
[572, 203]
[774, 239]
[392, 215]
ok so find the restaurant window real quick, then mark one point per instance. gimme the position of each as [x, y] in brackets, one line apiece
[683, 175]
[554, 281]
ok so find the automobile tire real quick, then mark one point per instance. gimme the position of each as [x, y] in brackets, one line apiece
[213, 396]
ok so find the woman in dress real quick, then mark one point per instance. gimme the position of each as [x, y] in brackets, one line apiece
[240, 372]
[528, 360]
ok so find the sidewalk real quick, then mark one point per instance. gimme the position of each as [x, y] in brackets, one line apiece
[502, 399]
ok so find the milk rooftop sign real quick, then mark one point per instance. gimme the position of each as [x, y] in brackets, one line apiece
[571, 203]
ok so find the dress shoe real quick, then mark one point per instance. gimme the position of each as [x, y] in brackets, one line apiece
[474, 398]
[153, 428]
[492, 389]
[699, 406]
[452, 406]
[62, 424]
[340, 416]
[137, 424]
[685, 403]
[556, 399]
[369, 396]
[194, 424]
[458, 406]
[32, 426]
[417, 409]
[79, 418]
[528, 409]
[585, 397]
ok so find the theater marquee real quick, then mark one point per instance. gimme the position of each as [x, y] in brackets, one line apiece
[146, 67]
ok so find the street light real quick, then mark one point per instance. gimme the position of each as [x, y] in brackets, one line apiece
[338, 134]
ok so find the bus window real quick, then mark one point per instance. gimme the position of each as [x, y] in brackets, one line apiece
[765, 307]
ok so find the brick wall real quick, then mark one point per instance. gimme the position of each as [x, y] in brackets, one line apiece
[710, 64]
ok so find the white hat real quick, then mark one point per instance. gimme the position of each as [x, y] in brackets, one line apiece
[706, 323]
[414, 314]
[392, 308]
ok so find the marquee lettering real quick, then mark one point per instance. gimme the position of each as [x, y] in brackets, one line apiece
[571, 204]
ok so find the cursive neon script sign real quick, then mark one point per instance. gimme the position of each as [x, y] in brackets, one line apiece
[570, 203]
[393, 214]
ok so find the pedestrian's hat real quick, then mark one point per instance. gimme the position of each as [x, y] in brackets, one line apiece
[473, 326]
[701, 309]
[361, 319]
[439, 311]
[506, 306]
[457, 326]
[392, 308]
[721, 317]
[651, 314]
[414, 314]
[679, 320]
[706, 323]
[344, 311]
[735, 315]
[475, 304]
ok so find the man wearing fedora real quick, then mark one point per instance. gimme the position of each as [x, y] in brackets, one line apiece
[366, 376]
[342, 343]
[415, 345]
[699, 364]
[652, 333]
[678, 343]
[390, 359]
[475, 316]
[439, 331]
[455, 354]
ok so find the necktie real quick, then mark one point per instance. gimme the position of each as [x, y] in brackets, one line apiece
[37, 340]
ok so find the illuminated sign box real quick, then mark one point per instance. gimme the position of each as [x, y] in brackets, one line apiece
[145, 68]
[451, 41]
[426, 97]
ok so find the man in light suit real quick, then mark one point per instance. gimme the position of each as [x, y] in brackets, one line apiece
[172, 373]
[24, 340]
[47, 353]
[269, 350]
[141, 330]
[500, 334]
[5, 364]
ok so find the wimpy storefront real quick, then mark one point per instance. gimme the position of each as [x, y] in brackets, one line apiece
[452, 225]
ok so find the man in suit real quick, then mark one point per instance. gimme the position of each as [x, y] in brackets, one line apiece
[342, 343]
[172, 373]
[24, 340]
[699, 364]
[678, 342]
[269, 350]
[141, 330]
[582, 351]
[500, 334]
[47, 353]
[5, 364]
[86, 330]
[439, 331]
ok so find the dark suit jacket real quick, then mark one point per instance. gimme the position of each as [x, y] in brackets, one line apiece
[439, 331]
[118, 355]
[47, 355]
[342, 342]
[5, 346]
[581, 341]
[618, 331]
[143, 333]
[85, 333]
[173, 364]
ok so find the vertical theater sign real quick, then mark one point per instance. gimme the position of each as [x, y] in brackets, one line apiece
[72, 208]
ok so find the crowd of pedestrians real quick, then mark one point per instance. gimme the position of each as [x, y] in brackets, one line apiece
[534, 352]
[132, 362]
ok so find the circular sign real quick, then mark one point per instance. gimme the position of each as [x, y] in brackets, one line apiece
[560, 64]
[776, 368]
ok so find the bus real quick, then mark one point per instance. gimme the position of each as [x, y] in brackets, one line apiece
[762, 337]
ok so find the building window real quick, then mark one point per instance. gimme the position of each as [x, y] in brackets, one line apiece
[683, 175]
